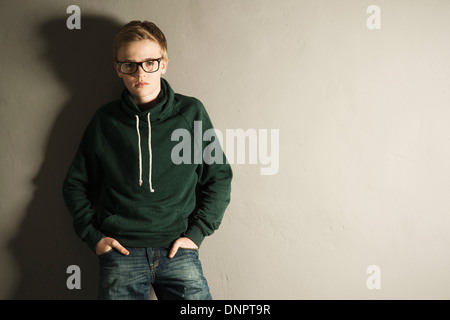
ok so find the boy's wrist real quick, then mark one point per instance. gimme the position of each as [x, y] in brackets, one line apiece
[93, 238]
[195, 235]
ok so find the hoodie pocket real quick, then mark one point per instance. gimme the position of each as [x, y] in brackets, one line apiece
[140, 221]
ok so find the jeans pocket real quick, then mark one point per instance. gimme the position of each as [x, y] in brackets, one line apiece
[183, 248]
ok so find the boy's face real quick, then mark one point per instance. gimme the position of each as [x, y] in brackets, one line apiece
[144, 87]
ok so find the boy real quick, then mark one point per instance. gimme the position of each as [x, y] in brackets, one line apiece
[142, 214]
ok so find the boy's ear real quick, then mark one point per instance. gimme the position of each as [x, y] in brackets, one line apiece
[116, 67]
[163, 66]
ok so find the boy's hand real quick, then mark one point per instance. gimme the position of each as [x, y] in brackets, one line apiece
[182, 242]
[107, 244]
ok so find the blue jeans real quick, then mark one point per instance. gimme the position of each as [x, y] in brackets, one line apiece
[131, 277]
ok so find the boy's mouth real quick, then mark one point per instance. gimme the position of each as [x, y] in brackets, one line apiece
[141, 84]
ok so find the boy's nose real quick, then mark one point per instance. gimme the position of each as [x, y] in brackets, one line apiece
[140, 72]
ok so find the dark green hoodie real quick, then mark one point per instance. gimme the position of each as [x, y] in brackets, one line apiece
[123, 183]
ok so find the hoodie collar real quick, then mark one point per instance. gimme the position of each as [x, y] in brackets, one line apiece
[159, 112]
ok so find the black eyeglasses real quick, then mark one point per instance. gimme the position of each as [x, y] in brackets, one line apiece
[148, 66]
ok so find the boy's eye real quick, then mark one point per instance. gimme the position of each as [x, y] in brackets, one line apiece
[149, 64]
[128, 66]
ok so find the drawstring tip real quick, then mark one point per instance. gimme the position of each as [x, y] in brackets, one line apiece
[140, 182]
[152, 190]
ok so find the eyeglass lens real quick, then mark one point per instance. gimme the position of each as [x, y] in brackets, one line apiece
[147, 66]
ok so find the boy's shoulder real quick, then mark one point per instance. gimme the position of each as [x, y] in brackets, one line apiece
[188, 105]
[106, 116]
[109, 107]
[107, 112]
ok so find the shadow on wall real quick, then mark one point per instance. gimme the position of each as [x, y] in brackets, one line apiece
[46, 244]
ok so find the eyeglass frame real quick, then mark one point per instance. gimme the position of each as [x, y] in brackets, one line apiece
[139, 64]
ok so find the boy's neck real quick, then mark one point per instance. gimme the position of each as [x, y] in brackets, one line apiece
[147, 105]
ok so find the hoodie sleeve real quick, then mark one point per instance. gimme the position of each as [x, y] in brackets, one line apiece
[213, 188]
[81, 187]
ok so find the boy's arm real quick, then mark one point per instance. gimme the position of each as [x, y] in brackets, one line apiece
[214, 196]
[213, 193]
[80, 189]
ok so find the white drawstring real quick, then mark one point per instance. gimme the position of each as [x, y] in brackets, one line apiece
[149, 151]
[140, 151]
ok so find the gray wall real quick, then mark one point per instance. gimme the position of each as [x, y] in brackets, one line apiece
[363, 118]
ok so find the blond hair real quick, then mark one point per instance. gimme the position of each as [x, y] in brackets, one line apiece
[140, 30]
